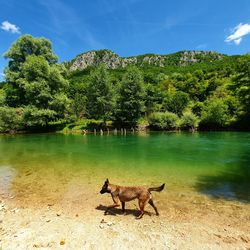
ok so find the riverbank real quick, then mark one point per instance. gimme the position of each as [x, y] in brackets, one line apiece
[79, 223]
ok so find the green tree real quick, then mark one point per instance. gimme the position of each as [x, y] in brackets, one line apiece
[215, 114]
[241, 84]
[27, 45]
[34, 81]
[176, 102]
[153, 98]
[130, 103]
[100, 96]
[78, 105]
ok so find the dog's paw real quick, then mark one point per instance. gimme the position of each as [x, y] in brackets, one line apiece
[139, 217]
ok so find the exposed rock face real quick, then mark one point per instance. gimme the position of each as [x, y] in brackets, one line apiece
[93, 58]
[113, 61]
[155, 60]
[190, 57]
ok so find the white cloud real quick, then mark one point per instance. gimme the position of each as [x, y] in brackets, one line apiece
[7, 26]
[238, 33]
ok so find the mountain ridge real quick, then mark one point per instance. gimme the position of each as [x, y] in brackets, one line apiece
[114, 61]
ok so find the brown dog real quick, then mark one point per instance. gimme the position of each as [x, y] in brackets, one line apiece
[125, 194]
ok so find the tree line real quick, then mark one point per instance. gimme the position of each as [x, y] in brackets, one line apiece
[40, 94]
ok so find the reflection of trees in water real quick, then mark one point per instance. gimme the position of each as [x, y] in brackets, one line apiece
[233, 184]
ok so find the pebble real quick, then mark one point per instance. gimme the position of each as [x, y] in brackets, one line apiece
[62, 242]
[103, 221]
[110, 223]
[15, 210]
[101, 226]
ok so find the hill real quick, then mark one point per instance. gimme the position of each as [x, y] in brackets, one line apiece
[114, 61]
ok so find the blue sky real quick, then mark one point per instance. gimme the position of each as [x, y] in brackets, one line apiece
[128, 27]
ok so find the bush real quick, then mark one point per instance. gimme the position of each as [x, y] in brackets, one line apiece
[34, 117]
[189, 121]
[166, 120]
[10, 119]
[215, 114]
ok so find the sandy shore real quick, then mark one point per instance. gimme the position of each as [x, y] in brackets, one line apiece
[78, 222]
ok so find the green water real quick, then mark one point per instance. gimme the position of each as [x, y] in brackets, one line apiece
[211, 164]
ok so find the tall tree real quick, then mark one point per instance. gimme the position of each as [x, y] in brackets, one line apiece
[34, 81]
[176, 102]
[130, 101]
[100, 96]
[241, 84]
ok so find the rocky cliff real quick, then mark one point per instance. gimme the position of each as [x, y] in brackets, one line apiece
[113, 61]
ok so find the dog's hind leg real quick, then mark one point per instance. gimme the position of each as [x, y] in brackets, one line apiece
[153, 205]
[141, 205]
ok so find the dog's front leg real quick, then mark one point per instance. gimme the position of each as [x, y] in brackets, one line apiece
[123, 208]
[116, 204]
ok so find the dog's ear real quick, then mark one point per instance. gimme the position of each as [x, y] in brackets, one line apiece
[107, 181]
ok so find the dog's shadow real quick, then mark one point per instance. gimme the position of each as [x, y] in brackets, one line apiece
[116, 211]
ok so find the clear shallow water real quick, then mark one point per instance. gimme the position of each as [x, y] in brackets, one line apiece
[213, 164]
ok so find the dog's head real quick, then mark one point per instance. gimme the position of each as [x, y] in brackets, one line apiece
[105, 187]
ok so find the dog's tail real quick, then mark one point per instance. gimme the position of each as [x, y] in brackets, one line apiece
[158, 189]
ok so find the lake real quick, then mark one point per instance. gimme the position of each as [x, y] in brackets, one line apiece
[49, 167]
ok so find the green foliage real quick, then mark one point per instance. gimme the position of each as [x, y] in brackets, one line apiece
[215, 114]
[197, 108]
[35, 82]
[34, 117]
[84, 125]
[241, 84]
[176, 102]
[153, 99]
[189, 121]
[2, 97]
[10, 119]
[130, 98]
[79, 104]
[100, 96]
[27, 45]
[166, 120]
[205, 87]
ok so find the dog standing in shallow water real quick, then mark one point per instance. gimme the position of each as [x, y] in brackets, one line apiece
[125, 194]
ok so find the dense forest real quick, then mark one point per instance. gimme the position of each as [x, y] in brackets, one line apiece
[207, 91]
